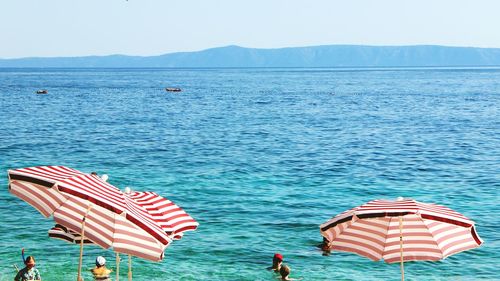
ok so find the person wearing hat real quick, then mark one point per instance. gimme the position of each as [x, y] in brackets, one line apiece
[100, 271]
[29, 272]
[277, 261]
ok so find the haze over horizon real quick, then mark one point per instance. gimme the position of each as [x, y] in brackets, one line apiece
[58, 28]
[244, 47]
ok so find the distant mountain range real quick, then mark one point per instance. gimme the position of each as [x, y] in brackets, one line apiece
[317, 56]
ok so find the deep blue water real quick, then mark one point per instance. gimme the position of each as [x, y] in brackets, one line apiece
[260, 157]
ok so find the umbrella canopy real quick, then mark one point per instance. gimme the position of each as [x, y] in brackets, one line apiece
[403, 230]
[112, 219]
[173, 219]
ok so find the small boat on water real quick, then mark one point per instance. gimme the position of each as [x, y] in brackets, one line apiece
[173, 89]
[42, 92]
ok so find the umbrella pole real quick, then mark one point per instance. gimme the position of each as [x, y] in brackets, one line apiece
[82, 235]
[129, 268]
[117, 266]
[401, 247]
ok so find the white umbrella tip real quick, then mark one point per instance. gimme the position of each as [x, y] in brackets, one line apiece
[104, 177]
[127, 189]
[400, 198]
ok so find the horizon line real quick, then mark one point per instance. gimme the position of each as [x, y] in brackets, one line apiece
[347, 68]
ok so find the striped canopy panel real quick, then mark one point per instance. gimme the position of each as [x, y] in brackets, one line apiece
[430, 232]
[113, 219]
[174, 220]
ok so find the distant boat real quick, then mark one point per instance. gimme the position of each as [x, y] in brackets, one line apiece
[173, 89]
[41, 92]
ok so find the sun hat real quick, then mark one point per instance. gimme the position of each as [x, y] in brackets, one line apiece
[100, 261]
[278, 256]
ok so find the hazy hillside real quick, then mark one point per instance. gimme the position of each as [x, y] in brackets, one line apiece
[318, 56]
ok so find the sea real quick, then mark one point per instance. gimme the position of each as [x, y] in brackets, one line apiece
[260, 157]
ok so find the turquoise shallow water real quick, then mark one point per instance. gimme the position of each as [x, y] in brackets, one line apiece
[260, 157]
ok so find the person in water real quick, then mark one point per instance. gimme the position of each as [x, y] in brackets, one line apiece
[29, 272]
[325, 247]
[100, 271]
[277, 261]
[285, 273]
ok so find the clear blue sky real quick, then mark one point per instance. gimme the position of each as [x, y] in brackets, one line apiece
[150, 27]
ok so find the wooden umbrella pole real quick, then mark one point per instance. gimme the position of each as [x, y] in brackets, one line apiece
[117, 266]
[82, 237]
[129, 268]
[401, 247]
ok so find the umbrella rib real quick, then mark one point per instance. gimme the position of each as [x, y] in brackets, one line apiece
[345, 228]
[433, 238]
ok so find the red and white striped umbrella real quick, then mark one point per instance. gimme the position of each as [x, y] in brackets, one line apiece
[399, 231]
[173, 219]
[112, 218]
